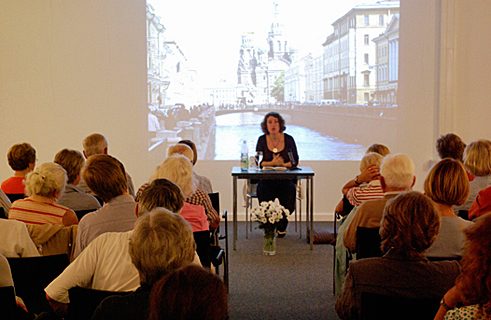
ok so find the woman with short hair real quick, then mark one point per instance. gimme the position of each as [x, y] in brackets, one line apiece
[447, 185]
[44, 187]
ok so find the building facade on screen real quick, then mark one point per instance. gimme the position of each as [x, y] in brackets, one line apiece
[350, 53]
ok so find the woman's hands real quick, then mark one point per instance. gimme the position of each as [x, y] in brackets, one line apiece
[277, 161]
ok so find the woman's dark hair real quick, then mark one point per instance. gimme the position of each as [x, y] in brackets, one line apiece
[189, 293]
[276, 115]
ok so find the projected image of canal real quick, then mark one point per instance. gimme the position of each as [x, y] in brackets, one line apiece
[232, 128]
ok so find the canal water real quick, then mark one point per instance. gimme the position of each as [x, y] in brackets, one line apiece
[232, 129]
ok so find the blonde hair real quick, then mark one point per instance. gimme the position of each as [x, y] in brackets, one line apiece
[398, 171]
[47, 180]
[409, 224]
[379, 148]
[477, 157]
[178, 169]
[94, 144]
[447, 183]
[160, 243]
[181, 148]
[370, 158]
[72, 161]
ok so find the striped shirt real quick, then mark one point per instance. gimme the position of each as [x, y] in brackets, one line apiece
[372, 190]
[38, 212]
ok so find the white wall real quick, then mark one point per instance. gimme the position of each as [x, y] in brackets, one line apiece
[68, 68]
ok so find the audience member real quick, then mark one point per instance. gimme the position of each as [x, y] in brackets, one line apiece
[105, 264]
[378, 148]
[366, 191]
[44, 186]
[20, 312]
[74, 198]
[189, 293]
[203, 182]
[161, 243]
[447, 185]
[477, 160]
[4, 203]
[94, 144]
[178, 169]
[22, 159]
[105, 176]
[482, 204]
[15, 240]
[409, 226]
[450, 146]
[397, 175]
[470, 298]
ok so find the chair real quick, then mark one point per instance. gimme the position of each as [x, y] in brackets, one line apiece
[31, 275]
[377, 306]
[219, 255]
[464, 214]
[15, 196]
[84, 301]
[367, 243]
[7, 303]
[337, 217]
[203, 246]
[2, 213]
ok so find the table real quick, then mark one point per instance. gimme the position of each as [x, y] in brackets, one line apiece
[305, 173]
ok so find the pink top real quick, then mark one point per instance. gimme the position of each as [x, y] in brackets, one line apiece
[195, 215]
[482, 204]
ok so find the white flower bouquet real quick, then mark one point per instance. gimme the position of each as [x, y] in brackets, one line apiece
[268, 214]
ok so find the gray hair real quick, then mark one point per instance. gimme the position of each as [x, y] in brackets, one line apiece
[47, 180]
[160, 243]
[94, 144]
[370, 158]
[398, 171]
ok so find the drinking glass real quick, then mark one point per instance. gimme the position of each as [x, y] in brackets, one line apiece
[259, 159]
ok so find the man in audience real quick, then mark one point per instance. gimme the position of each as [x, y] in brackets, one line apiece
[106, 177]
[22, 159]
[94, 144]
[74, 198]
[161, 243]
[105, 264]
[396, 175]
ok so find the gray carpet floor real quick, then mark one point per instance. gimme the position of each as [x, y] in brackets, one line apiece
[296, 283]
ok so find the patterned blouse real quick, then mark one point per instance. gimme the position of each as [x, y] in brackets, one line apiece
[472, 312]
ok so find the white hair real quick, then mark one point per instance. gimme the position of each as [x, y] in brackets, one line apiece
[47, 180]
[398, 171]
[370, 158]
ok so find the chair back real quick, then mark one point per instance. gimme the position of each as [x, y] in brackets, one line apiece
[31, 275]
[367, 243]
[202, 240]
[2, 213]
[7, 303]
[84, 301]
[15, 196]
[215, 201]
[81, 213]
[219, 255]
[377, 306]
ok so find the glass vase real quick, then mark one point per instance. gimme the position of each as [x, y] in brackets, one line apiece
[269, 243]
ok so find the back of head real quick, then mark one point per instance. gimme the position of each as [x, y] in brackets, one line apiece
[450, 146]
[398, 171]
[178, 169]
[72, 161]
[161, 193]
[20, 156]
[105, 176]
[369, 159]
[477, 157]
[93, 144]
[189, 293]
[447, 183]
[409, 224]
[161, 242]
[379, 148]
[181, 148]
[47, 180]
[192, 145]
[475, 280]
